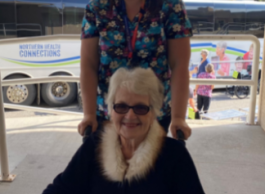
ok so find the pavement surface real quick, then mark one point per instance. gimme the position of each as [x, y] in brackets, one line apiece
[229, 156]
[39, 148]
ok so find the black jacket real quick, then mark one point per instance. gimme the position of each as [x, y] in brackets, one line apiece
[173, 172]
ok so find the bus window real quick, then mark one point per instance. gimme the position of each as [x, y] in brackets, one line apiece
[255, 19]
[7, 19]
[201, 16]
[229, 18]
[73, 13]
[39, 17]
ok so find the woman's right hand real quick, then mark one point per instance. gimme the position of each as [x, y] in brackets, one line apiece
[88, 120]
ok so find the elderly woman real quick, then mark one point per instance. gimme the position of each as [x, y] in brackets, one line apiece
[131, 154]
[204, 61]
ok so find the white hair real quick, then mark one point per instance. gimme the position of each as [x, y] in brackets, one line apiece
[222, 45]
[139, 81]
[205, 51]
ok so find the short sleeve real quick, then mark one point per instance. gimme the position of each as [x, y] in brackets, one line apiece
[177, 23]
[89, 24]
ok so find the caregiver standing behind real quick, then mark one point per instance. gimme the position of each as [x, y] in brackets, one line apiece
[129, 33]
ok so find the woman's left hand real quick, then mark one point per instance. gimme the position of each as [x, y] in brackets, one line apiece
[179, 124]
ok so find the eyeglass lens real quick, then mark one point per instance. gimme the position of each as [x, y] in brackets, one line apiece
[137, 109]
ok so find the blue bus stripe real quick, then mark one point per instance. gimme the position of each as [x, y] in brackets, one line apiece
[201, 44]
[53, 61]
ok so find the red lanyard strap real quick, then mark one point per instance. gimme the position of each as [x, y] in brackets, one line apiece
[131, 42]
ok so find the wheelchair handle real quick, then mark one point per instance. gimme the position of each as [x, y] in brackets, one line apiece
[181, 136]
[88, 132]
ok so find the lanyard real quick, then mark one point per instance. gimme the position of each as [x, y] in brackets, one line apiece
[131, 42]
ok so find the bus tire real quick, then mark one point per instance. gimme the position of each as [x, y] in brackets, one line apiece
[58, 94]
[19, 94]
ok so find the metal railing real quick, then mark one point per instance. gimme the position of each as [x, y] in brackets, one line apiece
[261, 97]
[5, 175]
[5, 30]
[252, 83]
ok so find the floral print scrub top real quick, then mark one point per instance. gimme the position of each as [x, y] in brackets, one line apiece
[150, 48]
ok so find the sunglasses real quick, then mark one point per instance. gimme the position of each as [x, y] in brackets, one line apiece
[137, 109]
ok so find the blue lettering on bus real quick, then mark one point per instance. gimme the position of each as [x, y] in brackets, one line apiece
[33, 53]
[40, 50]
[21, 53]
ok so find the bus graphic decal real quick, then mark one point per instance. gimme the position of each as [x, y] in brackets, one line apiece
[62, 62]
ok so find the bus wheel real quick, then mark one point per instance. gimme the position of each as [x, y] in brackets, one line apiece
[19, 94]
[59, 93]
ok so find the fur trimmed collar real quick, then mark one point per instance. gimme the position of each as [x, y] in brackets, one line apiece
[116, 168]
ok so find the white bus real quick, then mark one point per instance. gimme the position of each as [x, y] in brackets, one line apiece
[39, 55]
[38, 21]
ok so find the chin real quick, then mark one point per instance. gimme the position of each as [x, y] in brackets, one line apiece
[129, 133]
